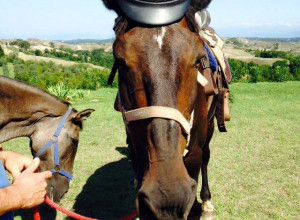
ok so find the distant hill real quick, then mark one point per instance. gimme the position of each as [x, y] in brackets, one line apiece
[282, 40]
[87, 41]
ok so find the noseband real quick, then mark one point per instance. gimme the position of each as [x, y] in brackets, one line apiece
[54, 141]
[158, 112]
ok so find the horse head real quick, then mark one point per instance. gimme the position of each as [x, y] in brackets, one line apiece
[51, 125]
[67, 143]
[158, 66]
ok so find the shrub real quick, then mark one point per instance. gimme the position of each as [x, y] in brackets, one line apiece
[254, 74]
[1, 52]
[38, 52]
[45, 75]
[21, 43]
[5, 71]
[3, 61]
[63, 92]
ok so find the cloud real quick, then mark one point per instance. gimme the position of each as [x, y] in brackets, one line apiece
[285, 24]
[253, 25]
[268, 24]
[245, 24]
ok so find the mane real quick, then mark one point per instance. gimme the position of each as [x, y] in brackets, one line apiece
[122, 22]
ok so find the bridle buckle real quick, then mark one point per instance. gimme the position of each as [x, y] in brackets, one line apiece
[54, 138]
[57, 169]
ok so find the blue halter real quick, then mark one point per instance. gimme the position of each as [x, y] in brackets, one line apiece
[54, 141]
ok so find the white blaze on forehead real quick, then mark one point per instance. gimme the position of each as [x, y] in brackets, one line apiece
[160, 35]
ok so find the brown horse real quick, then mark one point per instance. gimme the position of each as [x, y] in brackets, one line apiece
[158, 66]
[26, 111]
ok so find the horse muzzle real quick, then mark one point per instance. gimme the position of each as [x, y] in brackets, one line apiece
[173, 201]
[57, 187]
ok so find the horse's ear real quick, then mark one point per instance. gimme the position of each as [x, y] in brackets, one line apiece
[197, 4]
[111, 5]
[83, 115]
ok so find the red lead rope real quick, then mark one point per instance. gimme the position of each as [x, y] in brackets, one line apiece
[36, 214]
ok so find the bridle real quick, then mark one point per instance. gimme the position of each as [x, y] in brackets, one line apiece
[54, 141]
[151, 112]
[161, 111]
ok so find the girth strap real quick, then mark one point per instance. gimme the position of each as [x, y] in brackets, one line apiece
[158, 112]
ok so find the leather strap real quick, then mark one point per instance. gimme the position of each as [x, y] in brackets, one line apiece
[211, 107]
[112, 73]
[158, 112]
[220, 110]
[202, 79]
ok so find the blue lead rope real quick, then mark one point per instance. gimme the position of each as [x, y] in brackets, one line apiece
[54, 141]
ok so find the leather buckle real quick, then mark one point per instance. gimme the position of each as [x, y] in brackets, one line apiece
[54, 138]
[57, 169]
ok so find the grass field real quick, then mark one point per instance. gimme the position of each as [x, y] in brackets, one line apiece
[240, 54]
[254, 169]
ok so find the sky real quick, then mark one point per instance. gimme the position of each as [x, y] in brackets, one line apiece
[89, 19]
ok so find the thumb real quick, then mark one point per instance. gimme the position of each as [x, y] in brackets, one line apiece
[33, 166]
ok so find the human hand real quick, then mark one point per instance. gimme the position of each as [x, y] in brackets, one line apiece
[30, 187]
[15, 163]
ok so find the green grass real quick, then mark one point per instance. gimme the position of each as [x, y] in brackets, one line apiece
[253, 171]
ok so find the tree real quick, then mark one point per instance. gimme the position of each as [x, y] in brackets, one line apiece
[38, 52]
[1, 52]
[254, 74]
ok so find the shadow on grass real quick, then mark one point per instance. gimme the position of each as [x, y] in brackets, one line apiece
[109, 193]
[45, 212]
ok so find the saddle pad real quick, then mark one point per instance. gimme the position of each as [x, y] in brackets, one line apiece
[216, 44]
[212, 61]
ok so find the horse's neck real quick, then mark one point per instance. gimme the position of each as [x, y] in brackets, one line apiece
[24, 128]
[15, 129]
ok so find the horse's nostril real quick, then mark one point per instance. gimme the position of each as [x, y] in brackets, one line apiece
[145, 207]
[194, 185]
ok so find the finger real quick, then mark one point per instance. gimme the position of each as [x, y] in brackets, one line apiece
[46, 174]
[27, 162]
[15, 172]
[33, 166]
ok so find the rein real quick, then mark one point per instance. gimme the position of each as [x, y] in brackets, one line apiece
[54, 141]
